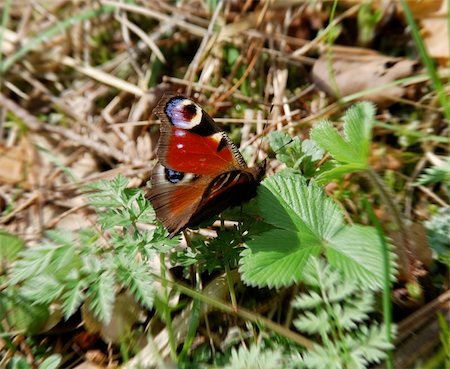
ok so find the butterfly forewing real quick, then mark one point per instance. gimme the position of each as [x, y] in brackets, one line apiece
[190, 140]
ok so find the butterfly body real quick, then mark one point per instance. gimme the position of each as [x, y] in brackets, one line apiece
[200, 171]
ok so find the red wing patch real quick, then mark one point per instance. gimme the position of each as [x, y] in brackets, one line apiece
[192, 153]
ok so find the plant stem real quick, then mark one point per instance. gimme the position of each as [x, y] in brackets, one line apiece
[387, 289]
[406, 255]
[193, 323]
[230, 283]
[240, 312]
[166, 307]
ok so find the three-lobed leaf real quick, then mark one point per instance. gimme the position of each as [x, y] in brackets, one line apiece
[308, 223]
[352, 148]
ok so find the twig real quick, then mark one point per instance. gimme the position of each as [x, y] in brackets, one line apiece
[38, 126]
[196, 30]
[103, 77]
[406, 255]
[190, 73]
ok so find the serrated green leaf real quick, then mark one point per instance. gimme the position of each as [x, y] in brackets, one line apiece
[356, 251]
[276, 258]
[330, 140]
[286, 201]
[327, 176]
[358, 122]
[353, 147]
[307, 219]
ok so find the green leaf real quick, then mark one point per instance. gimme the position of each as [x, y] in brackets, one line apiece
[72, 297]
[255, 357]
[306, 218]
[308, 223]
[276, 258]
[102, 296]
[52, 362]
[286, 201]
[33, 262]
[138, 278]
[10, 245]
[42, 288]
[313, 322]
[294, 153]
[368, 346]
[356, 251]
[22, 315]
[353, 147]
[332, 174]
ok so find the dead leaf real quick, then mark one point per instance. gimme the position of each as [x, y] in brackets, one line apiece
[422, 8]
[355, 71]
[13, 163]
[419, 247]
[434, 29]
[88, 365]
[126, 313]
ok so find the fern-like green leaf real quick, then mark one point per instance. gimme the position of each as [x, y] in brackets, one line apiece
[308, 300]
[323, 357]
[72, 297]
[138, 279]
[368, 346]
[102, 295]
[32, 262]
[254, 357]
[42, 288]
[313, 322]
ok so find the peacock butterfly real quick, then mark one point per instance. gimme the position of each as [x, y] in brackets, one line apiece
[200, 171]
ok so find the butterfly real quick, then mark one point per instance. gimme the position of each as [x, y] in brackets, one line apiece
[200, 170]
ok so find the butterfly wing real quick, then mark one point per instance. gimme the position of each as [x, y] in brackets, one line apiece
[200, 171]
[191, 142]
[175, 196]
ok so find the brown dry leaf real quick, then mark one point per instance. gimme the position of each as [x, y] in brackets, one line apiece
[385, 158]
[435, 34]
[422, 8]
[13, 163]
[419, 246]
[357, 70]
[126, 313]
[88, 365]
